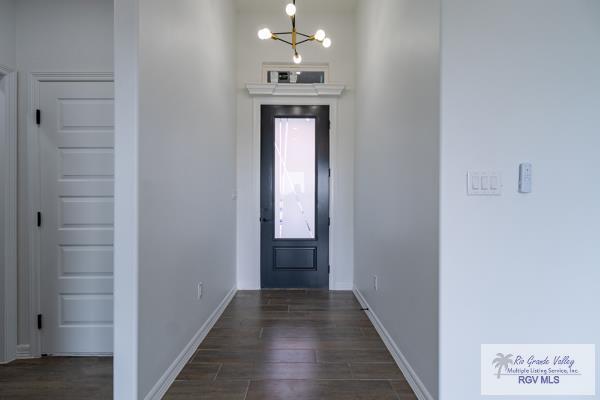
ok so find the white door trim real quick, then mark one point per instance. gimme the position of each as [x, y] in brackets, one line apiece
[8, 216]
[33, 198]
[308, 100]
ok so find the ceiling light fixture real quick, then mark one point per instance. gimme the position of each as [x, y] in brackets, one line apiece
[319, 36]
[290, 9]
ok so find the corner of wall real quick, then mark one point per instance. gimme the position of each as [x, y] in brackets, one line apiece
[166, 380]
[408, 371]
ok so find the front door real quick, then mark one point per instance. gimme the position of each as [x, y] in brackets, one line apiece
[295, 196]
[76, 137]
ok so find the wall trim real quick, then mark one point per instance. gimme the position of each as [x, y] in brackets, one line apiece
[73, 76]
[291, 89]
[166, 380]
[23, 351]
[8, 218]
[253, 263]
[30, 246]
[409, 373]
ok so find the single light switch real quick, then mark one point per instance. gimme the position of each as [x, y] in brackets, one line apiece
[485, 182]
[475, 182]
[493, 182]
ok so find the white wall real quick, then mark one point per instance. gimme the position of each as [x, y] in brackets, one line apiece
[185, 148]
[65, 35]
[53, 36]
[251, 54]
[521, 82]
[397, 178]
[8, 198]
[8, 40]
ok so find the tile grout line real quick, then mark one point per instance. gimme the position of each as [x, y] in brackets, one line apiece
[248, 389]
[217, 373]
[399, 396]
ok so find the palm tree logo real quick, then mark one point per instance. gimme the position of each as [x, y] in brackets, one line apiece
[502, 361]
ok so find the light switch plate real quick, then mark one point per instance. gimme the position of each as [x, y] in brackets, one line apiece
[484, 183]
[525, 178]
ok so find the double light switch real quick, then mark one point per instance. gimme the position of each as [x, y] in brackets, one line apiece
[484, 183]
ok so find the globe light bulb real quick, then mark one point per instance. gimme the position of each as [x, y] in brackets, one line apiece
[320, 35]
[290, 9]
[327, 43]
[297, 58]
[264, 34]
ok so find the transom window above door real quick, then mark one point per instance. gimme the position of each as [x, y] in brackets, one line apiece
[295, 74]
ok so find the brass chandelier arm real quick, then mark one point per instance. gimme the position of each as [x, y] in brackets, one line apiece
[293, 17]
[281, 40]
[294, 32]
[309, 38]
[305, 40]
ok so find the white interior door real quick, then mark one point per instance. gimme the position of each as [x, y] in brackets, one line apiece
[76, 138]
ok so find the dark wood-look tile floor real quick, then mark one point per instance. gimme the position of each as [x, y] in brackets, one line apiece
[289, 345]
[292, 345]
[57, 378]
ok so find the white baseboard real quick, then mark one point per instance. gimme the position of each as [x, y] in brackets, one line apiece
[409, 373]
[24, 351]
[334, 286]
[165, 381]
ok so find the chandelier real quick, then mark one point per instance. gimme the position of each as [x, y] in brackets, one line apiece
[296, 38]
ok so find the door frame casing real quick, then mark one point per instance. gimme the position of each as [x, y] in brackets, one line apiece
[8, 214]
[30, 246]
[303, 98]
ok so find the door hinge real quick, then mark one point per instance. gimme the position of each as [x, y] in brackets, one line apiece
[39, 321]
[38, 116]
[329, 269]
[329, 221]
[330, 172]
[329, 124]
[39, 219]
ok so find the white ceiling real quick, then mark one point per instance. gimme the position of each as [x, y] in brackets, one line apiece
[311, 6]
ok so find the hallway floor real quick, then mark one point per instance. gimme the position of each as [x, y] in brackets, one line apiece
[292, 345]
[57, 378]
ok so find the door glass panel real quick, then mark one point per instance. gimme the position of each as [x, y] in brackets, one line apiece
[294, 178]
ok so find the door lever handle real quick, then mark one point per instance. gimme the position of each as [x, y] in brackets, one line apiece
[265, 219]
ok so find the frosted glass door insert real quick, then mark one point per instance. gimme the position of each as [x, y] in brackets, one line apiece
[295, 168]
